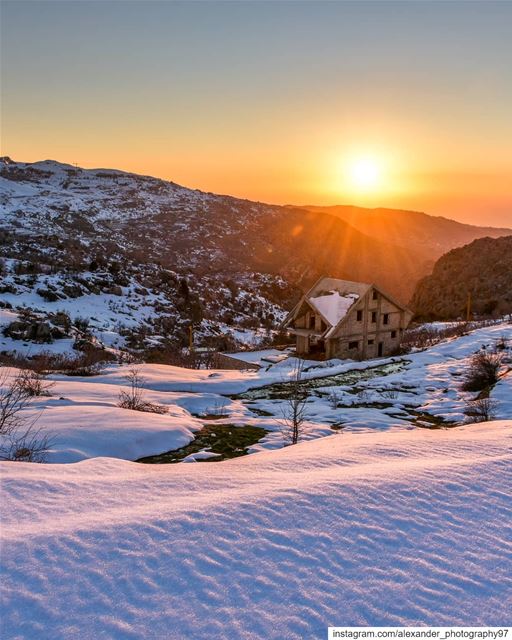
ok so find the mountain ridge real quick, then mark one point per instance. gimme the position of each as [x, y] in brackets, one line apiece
[221, 263]
[435, 234]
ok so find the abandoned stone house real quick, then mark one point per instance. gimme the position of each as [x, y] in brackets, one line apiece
[343, 319]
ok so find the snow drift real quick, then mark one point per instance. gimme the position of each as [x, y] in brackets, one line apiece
[384, 528]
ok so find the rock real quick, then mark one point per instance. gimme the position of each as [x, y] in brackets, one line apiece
[72, 290]
[16, 330]
[40, 332]
[48, 295]
[114, 290]
[87, 344]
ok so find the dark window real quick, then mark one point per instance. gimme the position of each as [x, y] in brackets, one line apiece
[370, 342]
[359, 316]
[311, 322]
[353, 345]
[386, 318]
[375, 295]
[393, 334]
[374, 316]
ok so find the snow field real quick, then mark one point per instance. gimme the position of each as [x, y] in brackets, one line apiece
[83, 417]
[396, 528]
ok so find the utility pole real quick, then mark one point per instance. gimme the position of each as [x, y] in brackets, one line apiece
[468, 307]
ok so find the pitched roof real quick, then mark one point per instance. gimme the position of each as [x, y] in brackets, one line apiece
[333, 305]
[333, 298]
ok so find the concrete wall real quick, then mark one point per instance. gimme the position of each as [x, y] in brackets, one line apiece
[369, 333]
[222, 361]
[302, 344]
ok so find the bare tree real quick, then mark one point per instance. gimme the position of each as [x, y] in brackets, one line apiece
[20, 440]
[294, 409]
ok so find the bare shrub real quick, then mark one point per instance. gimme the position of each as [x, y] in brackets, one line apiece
[483, 371]
[133, 397]
[481, 410]
[84, 364]
[87, 363]
[82, 324]
[423, 337]
[390, 393]
[13, 399]
[334, 399]
[364, 396]
[502, 343]
[219, 408]
[34, 383]
[20, 440]
[294, 410]
[26, 445]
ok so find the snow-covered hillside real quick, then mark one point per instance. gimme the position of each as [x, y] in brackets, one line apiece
[135, 254]
[403, 528]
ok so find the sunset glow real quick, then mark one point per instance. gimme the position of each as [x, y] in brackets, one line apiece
[365, 174]
[262, 117]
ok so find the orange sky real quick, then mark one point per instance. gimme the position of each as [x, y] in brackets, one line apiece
[272, 101]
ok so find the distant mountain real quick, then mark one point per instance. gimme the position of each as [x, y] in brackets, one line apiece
[163, 256]
[482, 269]
[431, 235]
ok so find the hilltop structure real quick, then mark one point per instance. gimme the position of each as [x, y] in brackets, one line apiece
[343, 319]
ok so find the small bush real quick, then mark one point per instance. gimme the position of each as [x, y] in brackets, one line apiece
[48, 295]
[334, 399]
[502, 343]
[481, 410]
[483, 371]
[133, 398]
[423, 337]
[34, 383]
[84, 364]
[82, 324]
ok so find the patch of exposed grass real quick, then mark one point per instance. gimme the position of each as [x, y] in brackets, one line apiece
[428, 421]
[227, 440]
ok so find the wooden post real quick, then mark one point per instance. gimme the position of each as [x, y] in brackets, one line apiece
[191, 339]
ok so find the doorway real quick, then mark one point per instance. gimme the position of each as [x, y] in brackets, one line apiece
[380, 349]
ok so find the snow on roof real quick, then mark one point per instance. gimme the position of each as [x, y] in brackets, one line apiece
[333, 305]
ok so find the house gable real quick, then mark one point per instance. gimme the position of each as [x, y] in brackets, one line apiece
[367, 305]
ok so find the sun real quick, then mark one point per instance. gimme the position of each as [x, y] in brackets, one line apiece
[364, 174]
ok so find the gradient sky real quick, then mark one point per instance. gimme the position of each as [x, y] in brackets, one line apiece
[271, 100]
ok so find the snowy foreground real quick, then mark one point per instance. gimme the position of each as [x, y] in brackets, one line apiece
[380, 523]
[383, 528]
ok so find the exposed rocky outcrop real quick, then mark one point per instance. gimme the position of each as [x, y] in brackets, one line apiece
[481, 269]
